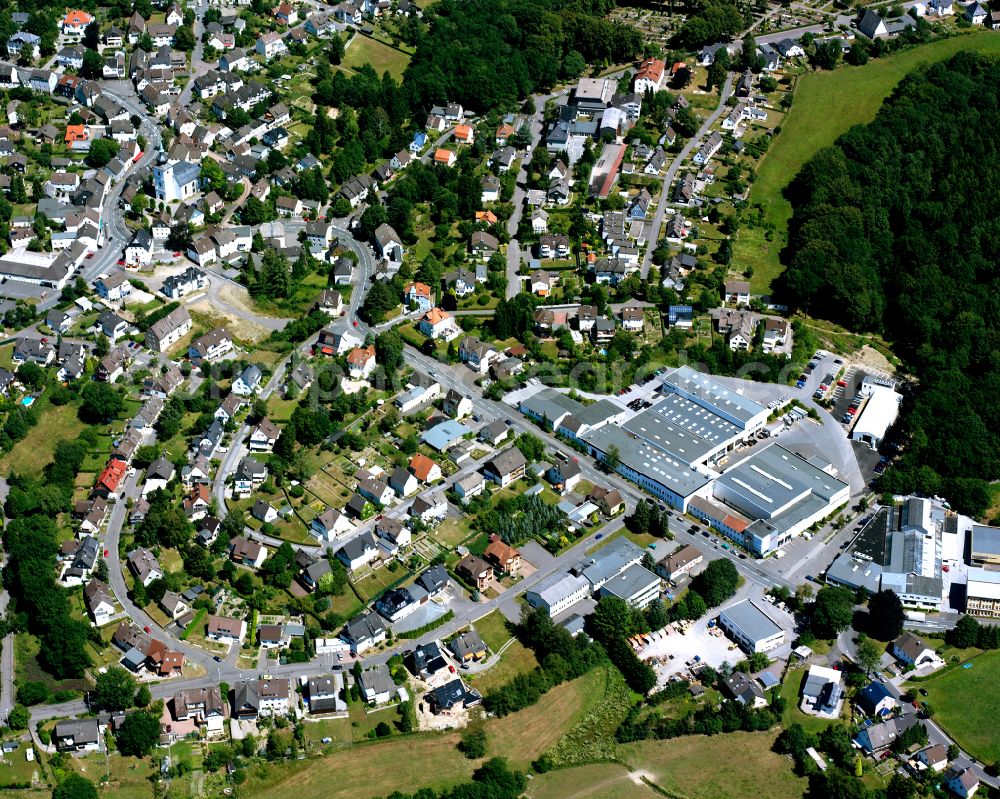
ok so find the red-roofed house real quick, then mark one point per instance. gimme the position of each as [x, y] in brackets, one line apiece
[464, 134]
[76, 134]
[649, 78]
[424, 469]
[285, 14]
[437, 323]
[111, 478]
[361, 362]
[418, 294]
[444, 157]
[75, 22]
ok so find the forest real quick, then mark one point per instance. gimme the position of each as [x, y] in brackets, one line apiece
[492, 53]
[896, 230]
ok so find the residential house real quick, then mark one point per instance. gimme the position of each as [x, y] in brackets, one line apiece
[246, 552]
[264, 436]
[162, 335]
[358, 552]
[475, 571]
[364, 632]
[225, 629]
[403, 482]
[361, 362]
[506, 467]
[100, 601]
[503, 557]
[144, 565]
[912, 650]
[331, 524]
[248, 383]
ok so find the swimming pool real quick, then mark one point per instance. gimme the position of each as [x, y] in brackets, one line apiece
[27, 402]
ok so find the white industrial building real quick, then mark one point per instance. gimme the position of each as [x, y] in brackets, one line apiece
[779, 493]
[751, 627]
[878, 415]
[637, 586]
[558, 592]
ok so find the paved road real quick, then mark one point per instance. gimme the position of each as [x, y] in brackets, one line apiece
[463, 379]
[653, 234]
[113, 225]
[6, 665]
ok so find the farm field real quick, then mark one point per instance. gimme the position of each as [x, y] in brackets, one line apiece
[827, 104]
[966, 704]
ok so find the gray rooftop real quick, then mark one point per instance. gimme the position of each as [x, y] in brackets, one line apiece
[648, 460]
[609, 561]
[703, 389]
[773, 478]
[756, 624]
[636, 579]
[985, 540]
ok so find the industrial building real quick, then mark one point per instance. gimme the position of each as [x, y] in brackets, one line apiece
[776, 495]
[558, 592]
[637, 586]
[903, 548]
[751, 627]
[984, 545]
[878, 414]
[982, 592]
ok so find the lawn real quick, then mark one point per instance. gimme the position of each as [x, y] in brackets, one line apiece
[367, 770]
[34, 452]
[382, 57]
[827, 104]
[493, 630]
[522, 737]
[730, 766]
[968, 705]
[516, 658]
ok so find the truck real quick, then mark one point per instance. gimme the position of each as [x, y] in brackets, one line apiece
[915, 615]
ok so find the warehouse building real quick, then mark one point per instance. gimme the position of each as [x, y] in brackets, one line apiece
[751, 627]
[984, 545]
[780, 493]
[558, 593]
[877, 416]
[637, 586]
[982, 594]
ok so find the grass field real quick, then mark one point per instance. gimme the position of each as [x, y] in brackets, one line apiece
[597, 781]
[731, 766]
[431, 760]
[382, 57]
[967, 705]
[516, 658]
[34, 452]
[827, 104]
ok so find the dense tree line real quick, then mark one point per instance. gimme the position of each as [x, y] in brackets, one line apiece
[521, 518]
[31, 540]
[728, 716]
[969, 632]
[490, 54]
[892, 233]
[561, 657]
